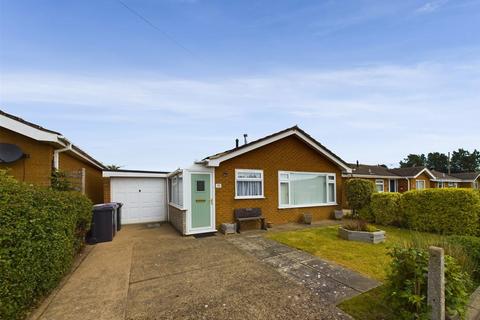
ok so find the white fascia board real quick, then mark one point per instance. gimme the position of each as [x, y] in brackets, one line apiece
[28, 131]
[446, 180]
[216, 162]
[427, 171]
[114, 174]
[367, 176]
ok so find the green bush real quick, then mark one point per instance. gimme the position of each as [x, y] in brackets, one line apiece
[40, 232]
[358, 193]
[471, 245]
[444, 211]
[385, 208]
[408, 279]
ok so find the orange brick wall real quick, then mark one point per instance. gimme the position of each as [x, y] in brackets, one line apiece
[423, 176]
[93, 178]
[106, 190]
[289, 154]
[37, 167]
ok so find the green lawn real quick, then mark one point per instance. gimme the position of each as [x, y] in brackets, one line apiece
[368, 259]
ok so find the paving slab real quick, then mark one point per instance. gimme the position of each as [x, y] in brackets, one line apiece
[331, 282]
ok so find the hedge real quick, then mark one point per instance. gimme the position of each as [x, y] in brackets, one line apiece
[385, 208]
[471, 246]
[41, 230]
[444, 211]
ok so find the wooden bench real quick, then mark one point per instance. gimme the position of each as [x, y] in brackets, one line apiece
[249, 214]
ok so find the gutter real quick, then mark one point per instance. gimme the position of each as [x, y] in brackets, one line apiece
[56, 154]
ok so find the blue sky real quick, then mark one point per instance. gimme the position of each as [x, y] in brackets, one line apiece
[372, 80]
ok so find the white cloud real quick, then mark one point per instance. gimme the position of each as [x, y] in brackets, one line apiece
[431, 6]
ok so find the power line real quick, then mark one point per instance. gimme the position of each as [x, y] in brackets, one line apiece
[151, 24]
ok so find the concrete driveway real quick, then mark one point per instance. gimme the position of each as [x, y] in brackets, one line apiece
[154, 273]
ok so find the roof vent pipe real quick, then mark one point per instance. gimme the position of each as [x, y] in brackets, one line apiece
[245, 138]
[236, 143]
[357, 164]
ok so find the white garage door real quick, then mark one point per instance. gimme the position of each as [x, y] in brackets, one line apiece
[143, 198]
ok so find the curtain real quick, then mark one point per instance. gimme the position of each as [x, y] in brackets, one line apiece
[249, 188]
[308, 188]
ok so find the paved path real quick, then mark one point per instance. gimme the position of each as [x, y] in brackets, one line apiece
[153, 273]
[331, 283]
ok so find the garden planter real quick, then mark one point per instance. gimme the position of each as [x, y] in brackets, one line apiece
[362, 236]
[269, 225]
[307, 218]
[338, 214]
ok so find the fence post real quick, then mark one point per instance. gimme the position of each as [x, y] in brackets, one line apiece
[436, 283]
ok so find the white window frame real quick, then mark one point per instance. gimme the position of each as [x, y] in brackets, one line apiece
[424, 184]
[178, 190]
[262, 196]
[379, 182]
[328, 181]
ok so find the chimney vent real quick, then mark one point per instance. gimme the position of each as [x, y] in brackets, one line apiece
[357, 164]
[245, 138]
[236, 143]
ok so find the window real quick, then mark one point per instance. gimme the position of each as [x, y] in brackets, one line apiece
[393, 185]
[200, 185]
[420, 184]
[306, 189]
[176, 190]
[452, 185]
[248, 184]
[440, 185]
[476, 185]
[379, 184]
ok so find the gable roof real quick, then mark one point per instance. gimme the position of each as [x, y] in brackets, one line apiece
[39, 133]
[412, 172]
[216, 159]
[373, 171]
[440, 176]
[467, 176]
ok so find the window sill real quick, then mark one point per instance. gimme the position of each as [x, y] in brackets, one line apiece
[309, 205]
[249, 198]
[176, 206]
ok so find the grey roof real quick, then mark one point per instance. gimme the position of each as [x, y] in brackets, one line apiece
[444, 177]
[470, 176]
[371, 170]
[295, 128]
[407, 172]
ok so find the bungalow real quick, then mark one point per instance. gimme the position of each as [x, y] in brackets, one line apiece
[32, 153]
[443, 180]
[417, 178]
[383, 178]
[468, 179]
[284, 174]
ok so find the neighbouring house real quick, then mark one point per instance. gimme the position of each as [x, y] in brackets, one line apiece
[413, 178]
[41, 152]
[285, 174]
[468, 179]
[384, 179]
[443, 180]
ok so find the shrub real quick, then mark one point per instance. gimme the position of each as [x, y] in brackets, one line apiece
[471, 245]
[358, 193]
[40, 232]
[385, 208]
[407, 283]
[359, 225]
[445, 211]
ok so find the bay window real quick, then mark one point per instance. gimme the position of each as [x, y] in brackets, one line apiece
[248, 184]
[306, 189]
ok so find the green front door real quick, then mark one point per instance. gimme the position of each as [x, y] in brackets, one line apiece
[201, 201]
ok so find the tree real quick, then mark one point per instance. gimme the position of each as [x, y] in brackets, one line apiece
[112, 167]
[464, 161]
[359, 193]
[414, 160]
[437, 161]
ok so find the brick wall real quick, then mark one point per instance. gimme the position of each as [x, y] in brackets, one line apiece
[93, 175]
[106, 190]
[37, 167]
[178, 219]
[289, 154]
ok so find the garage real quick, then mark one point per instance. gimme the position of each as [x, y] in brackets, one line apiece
[143, 194]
